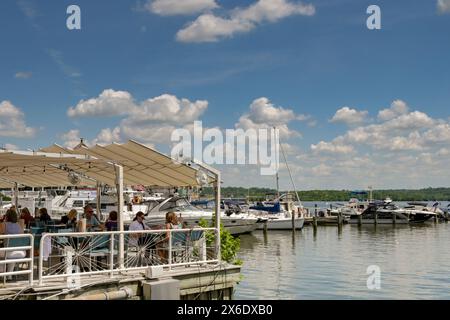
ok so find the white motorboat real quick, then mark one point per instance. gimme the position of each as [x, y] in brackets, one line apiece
[386, 212]
[235, 223]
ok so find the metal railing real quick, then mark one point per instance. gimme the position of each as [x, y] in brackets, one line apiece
[74, 255]
[16, 250]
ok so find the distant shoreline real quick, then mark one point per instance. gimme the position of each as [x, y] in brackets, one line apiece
[428, 194]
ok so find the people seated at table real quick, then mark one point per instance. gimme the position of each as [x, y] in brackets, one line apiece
[44, 217]
[26, 216]
[92, 222]
[111, 224]
[70, 220]
[11, 226]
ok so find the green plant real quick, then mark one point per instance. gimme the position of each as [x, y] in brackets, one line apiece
[229, 245]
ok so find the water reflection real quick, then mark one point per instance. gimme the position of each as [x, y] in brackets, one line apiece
[332, 264]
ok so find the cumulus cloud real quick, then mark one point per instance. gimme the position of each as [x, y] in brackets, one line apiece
[263, 115]
[152, 120]
[162, 109]
[108, 103]
[398, 130]
[350, 116]
[177, 7]
[443, 6]
[211, 28]
[12, 122]
[398, 107]
[73, 138]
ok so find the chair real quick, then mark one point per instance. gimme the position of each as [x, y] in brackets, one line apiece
[179, 245]
[15, 255]
[196, 235]
[37, 233]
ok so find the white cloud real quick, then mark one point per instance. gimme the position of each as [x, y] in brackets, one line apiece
[264, 115]
[331, 147]
[71, 138]
[163, 109]
[23, 75]
[443, 6]
[108, 103]
[350, 116]
[272, 11]
[177, 7]
[12, 122]
[398, 107]
[149, 121]
[211, 28]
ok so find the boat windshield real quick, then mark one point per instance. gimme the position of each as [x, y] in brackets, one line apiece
[178, 205]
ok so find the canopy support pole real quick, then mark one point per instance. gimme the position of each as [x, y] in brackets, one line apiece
[16, 196]
[119, 189]
[99, 201]
[218, 201]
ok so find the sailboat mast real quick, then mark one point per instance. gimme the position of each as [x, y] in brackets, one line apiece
[289, 170]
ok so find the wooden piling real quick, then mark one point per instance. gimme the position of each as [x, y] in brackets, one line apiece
[315, 223]
[394, 219]
[293, 221]
[376, 218]
[360, 220]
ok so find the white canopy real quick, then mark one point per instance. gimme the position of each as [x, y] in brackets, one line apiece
[40, 169]
[141, 165]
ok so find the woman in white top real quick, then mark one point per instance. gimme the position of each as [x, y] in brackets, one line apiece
[137, 225]
[11, 227]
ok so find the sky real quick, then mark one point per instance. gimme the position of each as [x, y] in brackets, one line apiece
[355, 107]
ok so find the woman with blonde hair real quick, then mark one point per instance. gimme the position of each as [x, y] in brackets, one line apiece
[70, 219]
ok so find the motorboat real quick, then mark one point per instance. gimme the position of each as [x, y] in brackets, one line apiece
[236, 223]
[386, 212]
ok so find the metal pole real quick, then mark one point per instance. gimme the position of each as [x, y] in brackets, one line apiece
[119, 188]
[99, 203]
[217, 195]
[16, 196]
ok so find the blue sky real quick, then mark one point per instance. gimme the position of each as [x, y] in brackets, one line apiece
[314, 62]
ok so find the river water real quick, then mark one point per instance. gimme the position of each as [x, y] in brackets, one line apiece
[414, 263]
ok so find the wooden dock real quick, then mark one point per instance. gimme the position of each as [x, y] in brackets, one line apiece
[210, 282]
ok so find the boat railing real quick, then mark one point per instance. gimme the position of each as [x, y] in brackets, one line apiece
[16, 256]
[71, 256]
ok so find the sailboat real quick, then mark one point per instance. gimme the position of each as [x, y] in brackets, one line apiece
[282, 213]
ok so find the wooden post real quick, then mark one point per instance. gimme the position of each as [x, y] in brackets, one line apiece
[360, 220]
[266, 226]
[340, 219]
[293, 220]
[376, 218]
[315, 223]
[394, 219]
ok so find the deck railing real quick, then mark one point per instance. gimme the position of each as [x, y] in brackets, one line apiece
[16, 250]
[71, 255]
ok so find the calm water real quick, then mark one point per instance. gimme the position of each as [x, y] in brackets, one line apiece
[414, 262]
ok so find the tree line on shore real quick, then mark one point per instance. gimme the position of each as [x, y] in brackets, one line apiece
[257, 194]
